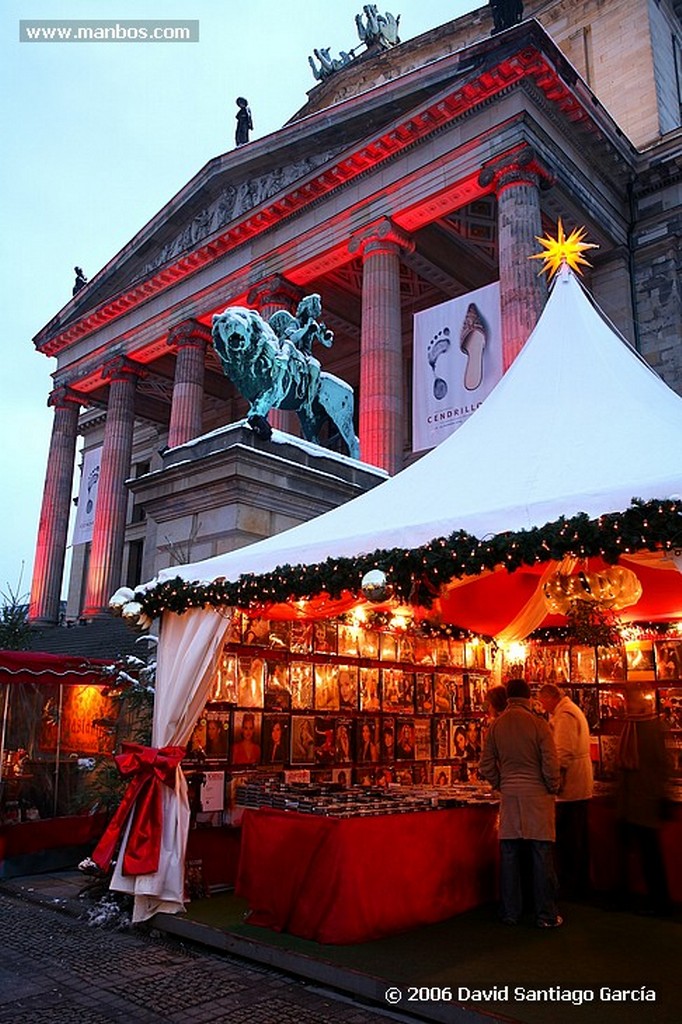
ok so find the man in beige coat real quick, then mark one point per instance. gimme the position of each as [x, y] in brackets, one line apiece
[572, 739]
[519, 759]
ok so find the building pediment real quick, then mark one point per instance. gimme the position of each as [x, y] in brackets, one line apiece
[247, 191]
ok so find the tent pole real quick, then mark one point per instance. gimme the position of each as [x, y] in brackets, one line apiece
[59, 749]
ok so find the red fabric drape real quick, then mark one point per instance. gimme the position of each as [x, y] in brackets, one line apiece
[148, 770]
[356, 879]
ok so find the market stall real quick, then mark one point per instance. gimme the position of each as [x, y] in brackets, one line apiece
[570, 470]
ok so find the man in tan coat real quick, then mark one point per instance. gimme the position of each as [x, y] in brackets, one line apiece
[519, 759]
[572, 739]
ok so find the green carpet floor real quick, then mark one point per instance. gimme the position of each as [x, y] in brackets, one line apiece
[595, 949]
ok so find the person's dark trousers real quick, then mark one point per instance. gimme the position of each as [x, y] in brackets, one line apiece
[573, 847]
[544, 879]
[545, 883]
[647, 842]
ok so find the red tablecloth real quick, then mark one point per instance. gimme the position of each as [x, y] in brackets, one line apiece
[348, 880]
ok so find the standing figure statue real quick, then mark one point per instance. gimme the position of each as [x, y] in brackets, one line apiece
[505, 14]
[272, 365]
[80, 282]
[381, 29]
[244, 122]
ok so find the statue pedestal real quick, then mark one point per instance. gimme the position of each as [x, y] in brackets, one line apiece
[227, 489]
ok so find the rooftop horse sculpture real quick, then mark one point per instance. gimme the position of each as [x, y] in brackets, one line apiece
[272, 365]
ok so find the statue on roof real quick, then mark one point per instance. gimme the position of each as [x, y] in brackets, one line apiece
[80, 282]
[379, 29]
[244, 121]
[505, 14]
[328, 64]
[272, 365]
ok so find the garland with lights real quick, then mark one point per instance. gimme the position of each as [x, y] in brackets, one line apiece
[417, 574]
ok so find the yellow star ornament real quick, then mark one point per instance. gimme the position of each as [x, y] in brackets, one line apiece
[563, 249]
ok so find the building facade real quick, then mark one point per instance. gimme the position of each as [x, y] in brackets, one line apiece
[414, 174]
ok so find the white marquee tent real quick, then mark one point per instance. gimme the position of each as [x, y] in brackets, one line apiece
[579, 424]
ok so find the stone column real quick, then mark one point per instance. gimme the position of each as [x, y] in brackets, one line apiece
[106, 555]
[48, 566]
[267, 297]
[382, 413]
[516, 180]
[190, 340]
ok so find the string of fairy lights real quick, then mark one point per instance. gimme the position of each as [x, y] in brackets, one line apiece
[416, 575]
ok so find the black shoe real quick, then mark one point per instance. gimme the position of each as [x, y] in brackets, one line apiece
[555, 923]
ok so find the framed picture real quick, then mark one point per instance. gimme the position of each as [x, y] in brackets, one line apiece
[217, 734]
[277, 692]
[301, 685]
[251, 682]
[587, 699]
[392, 689]
[280, 634]
[344, 741]
[342, 777]
[347, 678]
[441, 775]
[583, 665]
[406, 651]
[423, 692]
[611, 664]
[368, 644]
[300, 637]
[324, 637]
[349, 640]
[444, 691]
[458, 746]
[404, 747]
[325, 742]
[196, 748]
[441, 738]
[422, 773]
[457, 653]
[275, 739]
[472, 730]
[326, 687]
[474, 655]
[668, 656]
[225, 685]
[255, 631]
[246, 737]
[639, 656]
[388, 647]
[422, 739]
[302, 739]
[367, 739]
[387, 744]
[369, 689]
[611, 703]
[670, 706]
[424, 651]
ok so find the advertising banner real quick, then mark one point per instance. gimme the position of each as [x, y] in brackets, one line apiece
[87, 497]
[457, 362]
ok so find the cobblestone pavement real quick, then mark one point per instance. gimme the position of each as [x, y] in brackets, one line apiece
[55, 969]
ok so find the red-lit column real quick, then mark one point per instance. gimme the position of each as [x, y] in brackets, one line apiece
[270, 295]
[516, 180]
[381, 348]
[190, 340]
[48, 566]
[106, 555]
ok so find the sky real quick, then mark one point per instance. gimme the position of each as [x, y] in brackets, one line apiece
[96, 138]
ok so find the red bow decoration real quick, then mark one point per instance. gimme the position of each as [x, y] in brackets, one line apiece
[148, 770]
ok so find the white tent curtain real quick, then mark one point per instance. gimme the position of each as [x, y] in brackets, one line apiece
[535, 609]
[189, 649]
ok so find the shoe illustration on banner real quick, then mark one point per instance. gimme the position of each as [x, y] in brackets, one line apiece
[473, 340]
[438, 346]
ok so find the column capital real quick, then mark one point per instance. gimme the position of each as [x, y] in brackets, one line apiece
[275, 291]
[189, 334]
[382, 236]
[120, 368]
[520, 166]
[62, 397]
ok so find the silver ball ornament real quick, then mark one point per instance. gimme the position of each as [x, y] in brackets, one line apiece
[375, 586]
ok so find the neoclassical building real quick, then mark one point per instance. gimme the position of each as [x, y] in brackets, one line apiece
[415, 173]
